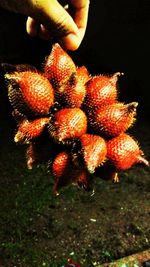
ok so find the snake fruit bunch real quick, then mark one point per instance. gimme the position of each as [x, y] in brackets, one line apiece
[71, 120]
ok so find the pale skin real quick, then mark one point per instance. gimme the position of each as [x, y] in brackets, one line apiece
[65, 20]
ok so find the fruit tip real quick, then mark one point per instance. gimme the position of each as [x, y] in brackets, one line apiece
[16, 138]
[115, 76]
[12, 76]
[143, 161]
[132, 106]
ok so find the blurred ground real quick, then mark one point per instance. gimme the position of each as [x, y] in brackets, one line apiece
[38, 229]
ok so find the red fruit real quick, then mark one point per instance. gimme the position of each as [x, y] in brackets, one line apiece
[101, 90]
[29, 130]
[111, 120]
[93, 148]
[68, 123]
[123, 152]
[83, 74]
[33, 90]
[72, 92]
[60, 164]
[58, 66]
[60, 169]
[65, 172]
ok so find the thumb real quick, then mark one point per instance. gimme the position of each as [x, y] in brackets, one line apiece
[57, 21]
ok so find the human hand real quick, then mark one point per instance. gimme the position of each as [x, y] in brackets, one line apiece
[65, 20]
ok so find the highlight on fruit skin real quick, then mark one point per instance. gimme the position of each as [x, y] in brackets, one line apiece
[94, 150]
[68, 123]
[72, 92]
[65, 172]
[58, 66]
[31, 89]
[112, 120]
[124, 152]
[101, 90]
[61, 170]
[83, 74]
[29, 130]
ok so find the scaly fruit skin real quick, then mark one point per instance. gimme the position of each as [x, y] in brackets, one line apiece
[66, 173]
[58, 66]
[68, 123]
[112, 120]
[83, 74]
[94, 151]
[72, 92]
[61, 167]
[100, 90]
[34, 90]
[71, 120]
[29, 130]
[123, 152]
[60, 164]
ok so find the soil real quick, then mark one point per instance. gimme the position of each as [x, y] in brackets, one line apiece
[108, 222]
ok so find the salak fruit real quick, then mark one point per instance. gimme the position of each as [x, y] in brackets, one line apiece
[72, 121]
[111, 120]
[124, 152]
[68, 123]
[58, 66]
[31, 90]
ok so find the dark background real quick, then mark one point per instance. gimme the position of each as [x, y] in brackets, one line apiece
[117, 39]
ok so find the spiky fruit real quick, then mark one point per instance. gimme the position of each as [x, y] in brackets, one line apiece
[61, 169]
[72, 92]
[66, 173]
[111, 120]
[101, 90]
[72, 120]
[30, 89]
[93, 148]
[60, 164]
[83, 74]
[29, 130]
[124, 152]
[68, 123]
[58, 66]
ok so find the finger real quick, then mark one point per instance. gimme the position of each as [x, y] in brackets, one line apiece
[32, 26]
[58, 21]
[80, 10]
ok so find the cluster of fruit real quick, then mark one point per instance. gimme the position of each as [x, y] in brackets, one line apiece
[72, 120]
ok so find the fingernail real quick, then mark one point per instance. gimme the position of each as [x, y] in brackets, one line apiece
[70, 41]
